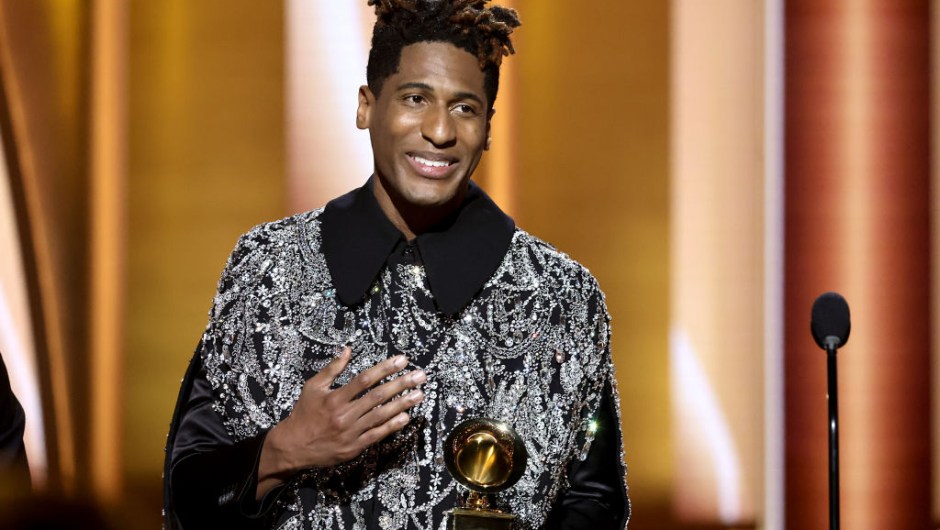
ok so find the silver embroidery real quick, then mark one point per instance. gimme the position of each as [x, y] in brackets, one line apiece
[532, 349]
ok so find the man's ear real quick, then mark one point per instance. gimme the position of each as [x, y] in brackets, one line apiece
[489, 130]
[364, 112]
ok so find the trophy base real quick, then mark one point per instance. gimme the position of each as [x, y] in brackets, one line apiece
[467, 519]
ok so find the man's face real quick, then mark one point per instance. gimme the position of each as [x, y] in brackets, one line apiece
[429, 127]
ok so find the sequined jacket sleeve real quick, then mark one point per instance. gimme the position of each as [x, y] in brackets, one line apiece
[575, 429]
[596, 496]
[211, 476]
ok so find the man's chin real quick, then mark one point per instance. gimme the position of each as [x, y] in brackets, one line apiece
[429, 202]
[431, 198]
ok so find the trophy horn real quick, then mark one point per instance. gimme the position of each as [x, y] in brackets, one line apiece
[486, 456]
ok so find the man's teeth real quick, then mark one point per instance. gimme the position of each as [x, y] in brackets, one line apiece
[432, 163]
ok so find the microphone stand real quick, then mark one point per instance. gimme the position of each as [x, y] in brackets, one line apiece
[833, 399]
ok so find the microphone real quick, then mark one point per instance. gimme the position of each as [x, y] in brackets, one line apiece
[830, 325]
[830, 322]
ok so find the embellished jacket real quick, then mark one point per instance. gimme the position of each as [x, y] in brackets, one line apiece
[504, 325]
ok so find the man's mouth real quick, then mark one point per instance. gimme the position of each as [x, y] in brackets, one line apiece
[434, 167]
[432, 163]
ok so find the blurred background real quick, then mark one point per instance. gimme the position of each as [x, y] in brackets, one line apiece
[716, 164]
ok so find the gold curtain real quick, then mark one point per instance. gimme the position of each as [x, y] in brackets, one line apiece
[590, 166]
[123, 138]
[206, 162]
[44, 54]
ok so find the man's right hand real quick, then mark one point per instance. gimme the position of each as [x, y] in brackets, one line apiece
[330, 426]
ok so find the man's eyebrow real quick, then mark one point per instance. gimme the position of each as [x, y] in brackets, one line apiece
[415, 84]
[470, 95]
[429, 88]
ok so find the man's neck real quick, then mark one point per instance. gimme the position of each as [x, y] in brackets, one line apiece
[412, 220]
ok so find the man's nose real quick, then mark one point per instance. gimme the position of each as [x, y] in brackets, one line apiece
[439, 127]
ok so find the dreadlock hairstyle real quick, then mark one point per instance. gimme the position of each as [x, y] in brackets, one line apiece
[467, 24]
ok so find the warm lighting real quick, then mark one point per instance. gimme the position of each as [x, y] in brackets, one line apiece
[16, 339]
[717, 269]
[326, 154]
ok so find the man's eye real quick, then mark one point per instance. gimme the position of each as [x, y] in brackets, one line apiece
[465, 109]
[414, 99]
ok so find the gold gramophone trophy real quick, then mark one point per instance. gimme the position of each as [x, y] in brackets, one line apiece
[486, 456]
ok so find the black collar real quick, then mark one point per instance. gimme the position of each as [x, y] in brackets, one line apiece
[459, 255]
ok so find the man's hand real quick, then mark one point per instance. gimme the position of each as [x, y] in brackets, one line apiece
[328, 427]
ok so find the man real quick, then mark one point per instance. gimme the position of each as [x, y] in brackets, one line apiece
[14, 468]
[346, 343]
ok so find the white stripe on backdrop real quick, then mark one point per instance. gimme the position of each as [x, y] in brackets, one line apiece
[16, 339]
[327, 46]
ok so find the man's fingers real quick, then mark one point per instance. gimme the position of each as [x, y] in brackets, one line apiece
[331, 371]
[387, 412]
[388, 390]
[368, 378]
[394, 424]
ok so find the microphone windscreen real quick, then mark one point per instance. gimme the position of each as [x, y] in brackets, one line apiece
[830, 318]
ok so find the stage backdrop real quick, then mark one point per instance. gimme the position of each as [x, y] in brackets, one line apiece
[704, 160]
